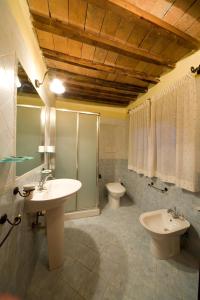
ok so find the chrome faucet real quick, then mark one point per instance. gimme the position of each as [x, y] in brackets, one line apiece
[45, 175]
[175, 214]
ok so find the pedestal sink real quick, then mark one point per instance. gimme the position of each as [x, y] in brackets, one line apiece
[52, 199]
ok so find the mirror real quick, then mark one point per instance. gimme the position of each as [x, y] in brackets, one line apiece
[30, 120]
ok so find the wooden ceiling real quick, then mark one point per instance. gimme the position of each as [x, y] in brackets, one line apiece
[109, 51]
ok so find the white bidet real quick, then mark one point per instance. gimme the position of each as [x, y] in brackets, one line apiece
[165, 231]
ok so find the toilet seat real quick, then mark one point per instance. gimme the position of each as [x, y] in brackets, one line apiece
[115, 187]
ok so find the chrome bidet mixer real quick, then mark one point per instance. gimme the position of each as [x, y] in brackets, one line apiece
[175, 214]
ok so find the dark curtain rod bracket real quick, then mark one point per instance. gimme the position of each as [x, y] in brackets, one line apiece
[195, 70]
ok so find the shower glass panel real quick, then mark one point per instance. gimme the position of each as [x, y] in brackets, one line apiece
[77, 155]
[87, 162]
[66, 145]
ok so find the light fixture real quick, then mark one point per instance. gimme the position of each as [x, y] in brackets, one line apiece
[56, 85]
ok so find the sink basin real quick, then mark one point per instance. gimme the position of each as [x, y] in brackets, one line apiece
[52, 199]
[165, 232]
[53, 195]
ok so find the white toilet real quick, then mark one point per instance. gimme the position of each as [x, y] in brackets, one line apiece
[115, 191]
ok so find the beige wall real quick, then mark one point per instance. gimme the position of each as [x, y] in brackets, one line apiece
[113, 141]
[104, 110]
[17, 41]
[182, 68]
[16, 29]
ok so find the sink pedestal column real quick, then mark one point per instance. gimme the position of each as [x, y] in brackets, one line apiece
[165, 248]
[55, 236]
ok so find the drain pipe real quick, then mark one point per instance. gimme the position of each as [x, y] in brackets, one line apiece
[37, 224]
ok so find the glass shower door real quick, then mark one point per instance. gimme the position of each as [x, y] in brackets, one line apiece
[87, 161]
[66, 148]
[77, 156]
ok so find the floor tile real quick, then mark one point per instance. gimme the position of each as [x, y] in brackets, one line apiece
[108, 258]
[93, 287]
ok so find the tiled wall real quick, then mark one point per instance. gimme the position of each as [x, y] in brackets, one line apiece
[113, 144]
[19, 253]
[147, 198]
[18, 41]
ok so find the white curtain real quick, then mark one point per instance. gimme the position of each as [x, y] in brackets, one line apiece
[139, 121]
[188, 135]
[174, 135]
[162, 142]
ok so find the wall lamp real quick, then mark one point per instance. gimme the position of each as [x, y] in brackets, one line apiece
[56, 86]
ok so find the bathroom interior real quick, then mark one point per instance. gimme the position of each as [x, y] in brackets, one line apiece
[99, 149]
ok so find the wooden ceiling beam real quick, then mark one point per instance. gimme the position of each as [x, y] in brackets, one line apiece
[129, 11]
[28, 88]
[98, 89]
[98, 81]
[85, 63]
[77, 96]
[73, 82]
[100, 94]
[73, 32]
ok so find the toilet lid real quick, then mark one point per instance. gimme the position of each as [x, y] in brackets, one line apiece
[115, 187]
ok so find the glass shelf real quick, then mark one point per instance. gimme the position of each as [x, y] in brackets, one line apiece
[16, 159]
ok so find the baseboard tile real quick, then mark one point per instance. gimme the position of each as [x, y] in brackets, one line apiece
[82, 214]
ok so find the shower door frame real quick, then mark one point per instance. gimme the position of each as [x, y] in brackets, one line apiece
[77, 147]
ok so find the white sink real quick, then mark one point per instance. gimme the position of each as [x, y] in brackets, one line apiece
[165, 232]
[52, 201]
[55, 193]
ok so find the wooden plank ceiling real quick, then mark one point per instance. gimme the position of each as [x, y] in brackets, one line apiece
[109, 51]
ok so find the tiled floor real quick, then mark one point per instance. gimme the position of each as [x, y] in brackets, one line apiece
[108, 258]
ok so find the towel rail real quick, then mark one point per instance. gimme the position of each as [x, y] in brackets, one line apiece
[156, 188]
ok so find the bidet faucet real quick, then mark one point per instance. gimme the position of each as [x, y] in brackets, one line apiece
[174, 213]
[45, 175]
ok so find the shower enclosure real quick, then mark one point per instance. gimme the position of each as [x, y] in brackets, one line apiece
[77, 141]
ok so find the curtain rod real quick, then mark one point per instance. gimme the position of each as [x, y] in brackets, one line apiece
[195, 70]
[129, 110]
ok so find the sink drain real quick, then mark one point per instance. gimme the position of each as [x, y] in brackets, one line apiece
[165, 229]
